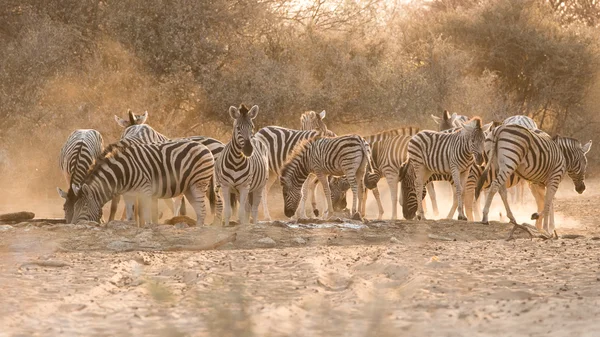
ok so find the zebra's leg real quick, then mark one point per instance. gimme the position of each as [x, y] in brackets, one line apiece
[477, 208]
[433, 198]
[176, 203]
[548, 204]
[268, 185]
[377, 196]
[362, 209]
[538, 192]
[195, 196]
[421, 175]
[244, 191]
[130, 201]
[226, 196]
[313, 195]
[392, 181]
[504, 196]
[459, 178]
[113, 207]
[256, 197]
[146, 212]
[488, 201]
[325, 183]
[301, 210]
[454, 204]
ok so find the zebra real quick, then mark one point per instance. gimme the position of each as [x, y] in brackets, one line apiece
[402, 131]
[538, 158]
[311, 120]
[280, 142]
[525, 121]
[243, 166]
[450, 153]
[136, 130]
[346, 155]
[77, 155]
[158, 170]
[448, 121]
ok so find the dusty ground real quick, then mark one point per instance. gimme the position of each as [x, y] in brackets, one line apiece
[284, 279]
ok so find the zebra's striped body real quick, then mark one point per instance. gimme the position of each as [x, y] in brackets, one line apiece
[160, 170]
[243, 166]
[280, 142]
[82, 149]
[446, 153]
[539, 159]
[337, 156]
[522, 120]
[136, 132]
[403, 131]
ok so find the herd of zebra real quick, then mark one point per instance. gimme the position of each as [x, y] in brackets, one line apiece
[144, 166]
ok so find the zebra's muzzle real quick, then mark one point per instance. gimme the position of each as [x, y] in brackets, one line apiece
[478, 159]
[289, 213]
[580, 187]
[247, 149]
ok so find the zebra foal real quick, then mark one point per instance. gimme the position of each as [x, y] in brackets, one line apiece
[160, 170]
[451, 153]
[243, 166]
[346, 155]
[78, 154]
[538, 158]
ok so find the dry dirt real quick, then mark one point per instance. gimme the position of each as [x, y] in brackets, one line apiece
[348, 278]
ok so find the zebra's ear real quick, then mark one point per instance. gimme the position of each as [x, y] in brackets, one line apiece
[122, 122]
[62, 193]
[436, 119]
[234, 112]
[142, 119]
[586, 148]
[322, 114]
[446, 115]
[487, 127]
[253, 112]
[75, 189]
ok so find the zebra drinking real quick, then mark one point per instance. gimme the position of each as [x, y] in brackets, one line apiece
[346, 155]
[82, 149]
[159, 170]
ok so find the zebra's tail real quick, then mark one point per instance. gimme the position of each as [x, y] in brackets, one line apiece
[212, 197]
[371, 177]
[490, 165]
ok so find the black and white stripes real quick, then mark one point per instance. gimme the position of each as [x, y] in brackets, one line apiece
[82, 149]
[243, 165]
[538, 158]
[337, 156]
[446, 153]
[160, 170]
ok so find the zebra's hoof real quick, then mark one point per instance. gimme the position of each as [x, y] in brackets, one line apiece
[485, 222]
[316, 212]
[535, 216]
[462, 218]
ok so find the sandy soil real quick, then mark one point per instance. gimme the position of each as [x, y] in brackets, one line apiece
[348, 278]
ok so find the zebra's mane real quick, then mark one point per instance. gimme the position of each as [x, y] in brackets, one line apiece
[109, 152]
[298, 150]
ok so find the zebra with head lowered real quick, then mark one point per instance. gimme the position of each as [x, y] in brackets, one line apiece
[311, 120]
[159, 170]
[82, 149]
[346, 155]
[243, 166]
[280, 142]
[451, 153]
[538, 158]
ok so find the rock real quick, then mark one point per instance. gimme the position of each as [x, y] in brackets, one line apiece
[394, 240]
[266, 241]
[5, 227]
[120, 245]
[181, 225]
[299, 240]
